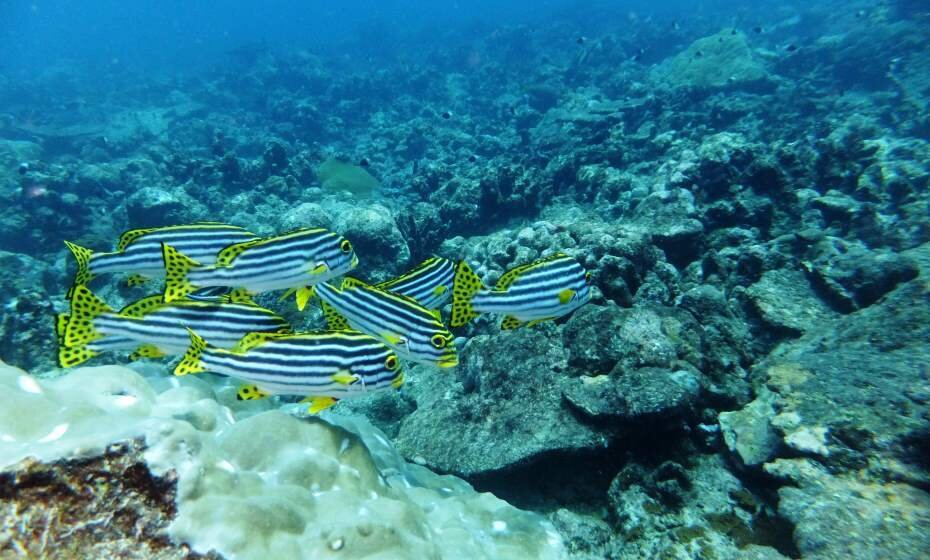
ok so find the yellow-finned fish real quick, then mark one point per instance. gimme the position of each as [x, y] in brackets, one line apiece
[416, 333]
[297, 259]
[322, 366]
[539, 291]
[154, 328]
[138, 251]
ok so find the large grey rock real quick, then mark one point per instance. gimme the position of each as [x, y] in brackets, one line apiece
[379, 244]
[842, 517]
[748, 432]
[503, 408]
[785, 300]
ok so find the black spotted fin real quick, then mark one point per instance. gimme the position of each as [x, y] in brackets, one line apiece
[83, 275]
[249, 392]
[143, 307]
[464, 288]
[85, 307]
[191, 362]
[147, 351]
[70, 356]
[334, 320]
[136, 280]
[177, 268]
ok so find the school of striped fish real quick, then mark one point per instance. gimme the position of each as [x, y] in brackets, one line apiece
[205, 312]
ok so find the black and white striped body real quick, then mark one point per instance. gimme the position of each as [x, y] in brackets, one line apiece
[406, 326]
[328, 364]
[298, 259]
[545, 290]
[143, 255]
[221, 324]
[429, 284]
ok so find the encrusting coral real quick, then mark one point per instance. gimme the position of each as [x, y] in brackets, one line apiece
[247, 482]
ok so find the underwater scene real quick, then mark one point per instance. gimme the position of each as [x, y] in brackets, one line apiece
[459, 280]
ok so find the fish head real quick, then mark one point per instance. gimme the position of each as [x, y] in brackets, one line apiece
[436, 347]
[336, 258]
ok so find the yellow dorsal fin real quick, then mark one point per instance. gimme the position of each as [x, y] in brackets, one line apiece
[511, 275]
[143, 307]
[350, 282]
[229, 254]
[254, 339]
[131, 235]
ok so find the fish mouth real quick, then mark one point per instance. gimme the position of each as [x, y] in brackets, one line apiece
[448, 361]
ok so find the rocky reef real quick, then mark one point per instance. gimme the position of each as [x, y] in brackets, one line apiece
[751, 378]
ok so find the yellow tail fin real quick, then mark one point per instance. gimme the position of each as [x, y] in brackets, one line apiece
[82, 256]
[70, 356]
[464, 287]
[191, 363]
[85, 307]
[177, 267]
[61, 325]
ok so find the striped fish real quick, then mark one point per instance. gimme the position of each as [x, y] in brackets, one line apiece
[323, 366]
[429, 284]
[298, 259]
[70, 356]
[139, 252]
[542, 290]
[156, 328]
[415, 332]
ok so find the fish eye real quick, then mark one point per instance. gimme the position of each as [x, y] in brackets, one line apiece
[439, 341]
[345, 246]
[587, 277]
[391, 362]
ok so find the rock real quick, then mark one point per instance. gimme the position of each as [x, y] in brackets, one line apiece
[645, 394]
[785, 301]
[306, 215]
[720, 60]
[854, 277]
[509, 392]
[379, 244]
[25, 337]
[748, 432]
[154, 206]
[841, 517]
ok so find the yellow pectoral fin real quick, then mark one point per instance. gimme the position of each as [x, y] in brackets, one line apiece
[344, 377]
[318, 404]
[319, 269]
[250, 393]
[393, 338]
[439, 290]
[398, 381]
[566, 296]
[303, 296]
